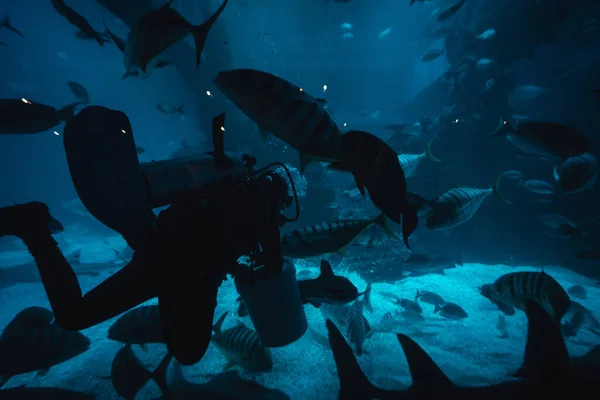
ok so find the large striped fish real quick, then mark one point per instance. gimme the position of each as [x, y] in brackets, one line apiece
[577, 174]
[511, 290]
[285, 110]
[241, 346]
[349, 318]
[330, 237]
[410, 162]
[457, 206]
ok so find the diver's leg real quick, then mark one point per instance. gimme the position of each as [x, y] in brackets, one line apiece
[187, 300]
[130, 286]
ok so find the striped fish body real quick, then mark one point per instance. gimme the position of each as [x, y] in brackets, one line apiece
[338, 314]
[140, 325]
[577, 174]
[516, 287]
[241, 346]
[323, 238]
[40, 349]
[355, 326]
[455, 207]
[410, 162]
[283, 109]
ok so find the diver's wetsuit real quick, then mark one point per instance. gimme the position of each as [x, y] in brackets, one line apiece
[197, 242]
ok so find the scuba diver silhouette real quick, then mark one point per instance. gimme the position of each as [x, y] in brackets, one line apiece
[184, 256]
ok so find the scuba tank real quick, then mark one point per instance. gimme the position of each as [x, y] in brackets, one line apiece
[275, 306]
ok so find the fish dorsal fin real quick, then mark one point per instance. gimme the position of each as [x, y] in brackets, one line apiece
[326, 270]
[424, 371]
[545, 352]
[353, 382]
[219, 323]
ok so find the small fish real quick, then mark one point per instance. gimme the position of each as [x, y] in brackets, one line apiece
[561, 226]
[537, 186]
[409, 305]
[577, 291]
[514, 288]
[355, 327]
[78, 21]
[580, 317]
[139, 150]
[328, 288]
[346, 26]
[432, 54]
[577, 174]
[410, 162]
[5, 23]
[384, 33]
[450, 310]
[418, 264]
[546, 369]
[140, 325]
[347, 36]
[38, 350]
[128, 375]
[487, 34]
[524, 93]
[330, 237]
[501, 326]
[84, 36]
[484, 63]
[488, 85]
[544, 139]
[449, 11]
[169, 109]
[241, 346]
[81, 93]
[458, 206]
[429, 297]
[21, 116]
[154, 33]
[513, 174]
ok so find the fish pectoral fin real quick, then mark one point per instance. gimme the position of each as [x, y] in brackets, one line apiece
[42, 372]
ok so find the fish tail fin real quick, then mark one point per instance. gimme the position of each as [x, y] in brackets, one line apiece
[496, 189]
[217, 326]
[354, 384]
[429, 154]
[180, 109]
[160, 374]
[410, 220]
[68, 112]
[384, 223]
[200, 32]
